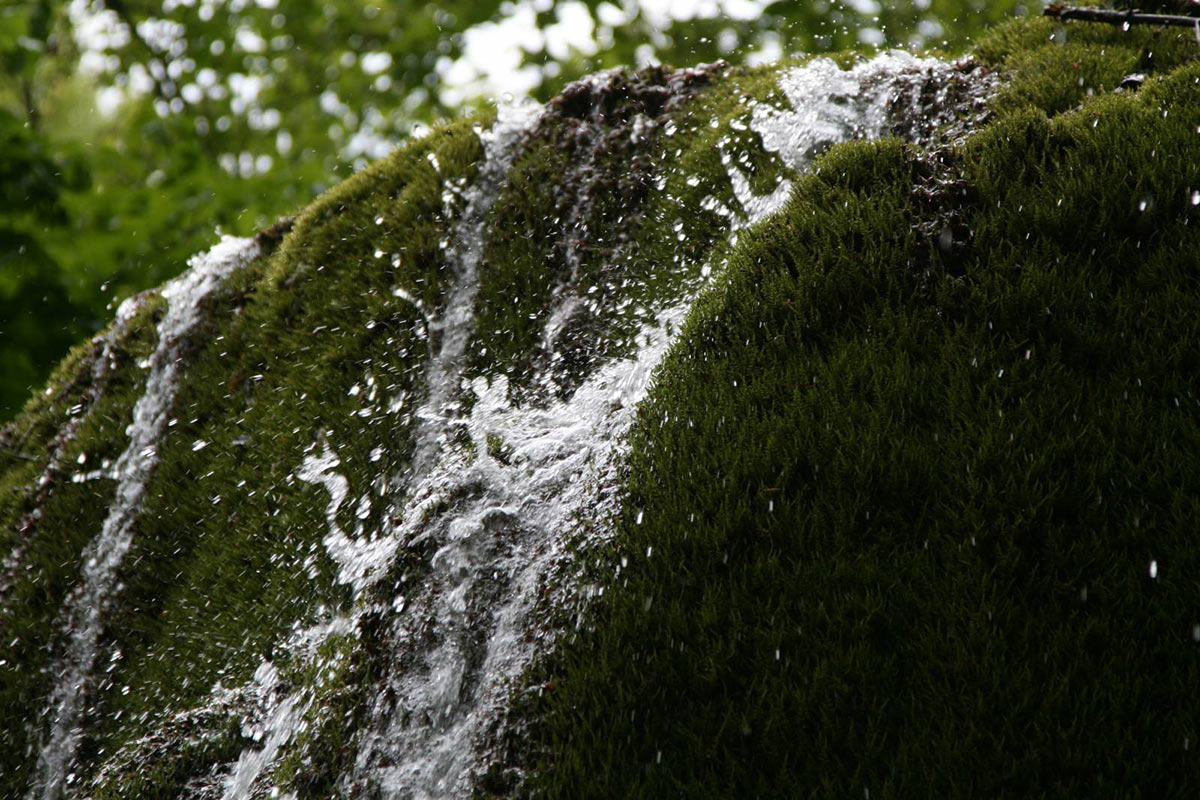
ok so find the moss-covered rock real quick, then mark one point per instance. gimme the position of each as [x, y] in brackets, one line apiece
[380, 510]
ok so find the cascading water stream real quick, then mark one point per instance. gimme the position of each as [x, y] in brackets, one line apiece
[102, 557]
[501, 516]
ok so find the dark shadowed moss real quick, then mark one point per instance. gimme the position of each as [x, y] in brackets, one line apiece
[913, 514]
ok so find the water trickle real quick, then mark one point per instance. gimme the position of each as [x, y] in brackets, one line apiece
[85, 607]
[102, 367]
[272, 716]
[455, 325]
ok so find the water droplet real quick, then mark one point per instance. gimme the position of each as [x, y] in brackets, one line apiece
[199, 444]
[1154, 570]
[1196, 198]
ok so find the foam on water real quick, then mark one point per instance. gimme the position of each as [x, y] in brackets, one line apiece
[83, 615]
[535, 476]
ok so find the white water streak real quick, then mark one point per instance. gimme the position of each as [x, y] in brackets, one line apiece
[457, 322]
[102, 557]
[829, 105]
[276, 718]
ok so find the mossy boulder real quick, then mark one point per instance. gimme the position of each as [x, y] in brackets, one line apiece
[812, 430]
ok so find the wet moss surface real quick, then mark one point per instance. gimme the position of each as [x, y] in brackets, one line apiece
[908, 511]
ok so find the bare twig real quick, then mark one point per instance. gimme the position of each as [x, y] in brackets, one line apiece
[1122, 18]
[1117, 17]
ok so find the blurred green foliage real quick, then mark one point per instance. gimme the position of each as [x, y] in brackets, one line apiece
[131, 129]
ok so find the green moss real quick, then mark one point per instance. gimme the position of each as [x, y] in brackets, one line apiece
[1055, 67]
[894, 500]
[890, 507]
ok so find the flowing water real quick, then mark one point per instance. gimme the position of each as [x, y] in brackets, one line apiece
[498, 496]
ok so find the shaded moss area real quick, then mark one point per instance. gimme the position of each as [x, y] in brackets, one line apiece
[911, 507]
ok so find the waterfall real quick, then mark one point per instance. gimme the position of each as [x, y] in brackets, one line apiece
[362, 556]
[500, 496]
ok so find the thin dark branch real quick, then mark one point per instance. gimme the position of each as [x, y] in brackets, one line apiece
[1114, 17]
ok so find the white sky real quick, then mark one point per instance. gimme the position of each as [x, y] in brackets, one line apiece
[492, 52]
